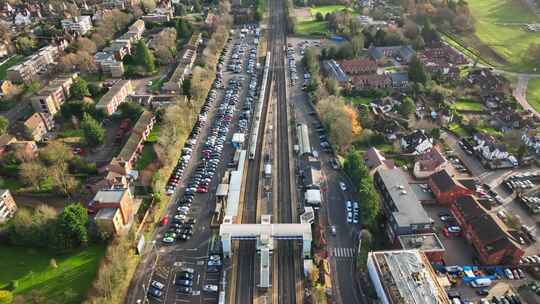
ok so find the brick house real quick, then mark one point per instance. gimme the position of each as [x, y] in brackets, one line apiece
[358, 66]
[37, 125]
[447, 189]
[429, 162]
[115, 210]
[371, 81]
[117, 94]
[125, 161]
[486, 233]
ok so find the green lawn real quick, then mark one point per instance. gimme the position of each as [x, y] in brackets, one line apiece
[533, 93]
[492, 29]
[359, 100]
[458, 129]
[308, 26]
[326, 9]
[68, 283]
[147, 156]
[11, 62]
[468, 105]
[311, 28]
[71, 133]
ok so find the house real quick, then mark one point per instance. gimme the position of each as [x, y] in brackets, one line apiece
[399, 203]
[371, 81]
[5, 141]
[108, 64]
[156, 18]
[136, 30]
[447, 189]
[429, 162]
[38, 125]
[405, 277]
[49, 99]
[34, 64]
[119, 48]
[6, 88]
[487, 234]
[8, 207]
[488, 81]
[416, 143]
[116, 95]
[116, 210]
[492, 153]
[399, 53]
[399, 80]
[532, 141]
[183, 69]
[78, 24]
[333, 70]
[443, 60]
[125, 161]
[358, 66]
[374, 159]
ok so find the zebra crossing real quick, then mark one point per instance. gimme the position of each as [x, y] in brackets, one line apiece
[341, 252]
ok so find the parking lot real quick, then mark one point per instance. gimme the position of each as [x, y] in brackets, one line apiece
[189, 267]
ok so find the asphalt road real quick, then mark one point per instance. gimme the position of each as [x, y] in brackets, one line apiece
[341, 247]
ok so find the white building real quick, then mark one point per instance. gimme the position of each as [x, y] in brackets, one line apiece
[81, 24]
[7, 205]
[404, 276]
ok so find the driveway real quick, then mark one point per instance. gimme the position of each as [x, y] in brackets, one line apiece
[520, 93]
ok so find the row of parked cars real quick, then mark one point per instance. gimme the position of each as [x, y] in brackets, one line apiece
[293, 76]
[506, 299]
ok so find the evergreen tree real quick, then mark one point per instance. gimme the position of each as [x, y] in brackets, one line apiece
[94, 133]
[144, 57]
[416, 71]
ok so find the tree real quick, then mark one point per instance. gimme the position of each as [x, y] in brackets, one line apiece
[84, 44]
[429, 33]
[144, 58]
[25, 45]
[4, 124]
[6, 297]
[183, 28]
[354, 167]
[410, 29]
[370, 206]
[148, 5]
[165, 45]
[407, 107]
[186, 87]
[435, 133]
[34, 173]
[130, 110]
[417, 74]
[79, 89]
[94, 133]
[71, 228]
[57, 156]
[357, 44]
[319, 16]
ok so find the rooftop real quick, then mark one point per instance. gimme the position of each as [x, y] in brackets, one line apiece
[106, 213]
[422, 242]
[407, 277]
[407, 209]
[115, 89]
[110, 195]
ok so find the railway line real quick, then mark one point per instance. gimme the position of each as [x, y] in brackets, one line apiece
[286, 253]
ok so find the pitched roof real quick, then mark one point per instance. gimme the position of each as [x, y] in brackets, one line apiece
[34, 121]
[358, 65]
[468, 207]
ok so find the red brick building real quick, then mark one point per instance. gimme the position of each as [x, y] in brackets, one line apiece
[447, 189]
[488, 236]
[358, 66]
[371, 81]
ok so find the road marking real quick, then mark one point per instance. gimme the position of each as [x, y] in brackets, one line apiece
[342, 252]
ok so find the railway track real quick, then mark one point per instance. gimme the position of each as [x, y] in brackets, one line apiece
[286, 250]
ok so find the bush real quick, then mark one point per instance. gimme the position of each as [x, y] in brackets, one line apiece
[14, 284]
[6, 297]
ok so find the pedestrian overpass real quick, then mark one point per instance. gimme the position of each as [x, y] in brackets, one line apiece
[264, 234]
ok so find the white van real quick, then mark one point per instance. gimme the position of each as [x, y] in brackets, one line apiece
[479, 283]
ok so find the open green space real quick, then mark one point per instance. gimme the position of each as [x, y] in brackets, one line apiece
[533, 93]
[468, 105]
[309, 26]
[458, 129]
[147, 156]
[358, 100]
[66, 283]
[499, 27]
[9, 63]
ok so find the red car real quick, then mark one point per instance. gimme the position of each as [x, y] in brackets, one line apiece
[450, 233]
[165, 221]
[202, 190]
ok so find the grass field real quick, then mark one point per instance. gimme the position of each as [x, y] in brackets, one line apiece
[359, 100]
[147, 156]
[9, 63]
[308, 26]
[468, 105]
[68, 283]
[493, 23]
[533, 93]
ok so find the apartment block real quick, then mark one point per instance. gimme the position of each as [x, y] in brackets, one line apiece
[116, 95]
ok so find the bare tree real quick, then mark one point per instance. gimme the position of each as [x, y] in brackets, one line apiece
[34, 173]
[165, 45]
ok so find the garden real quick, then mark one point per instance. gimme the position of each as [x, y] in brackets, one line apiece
[309, 25]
